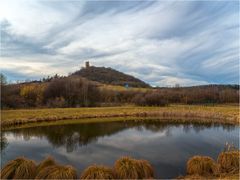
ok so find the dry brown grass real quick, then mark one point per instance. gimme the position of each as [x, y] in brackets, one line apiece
[57, 172]
[229, 161]
[20, 168]
[145, 169]
[98, 172]
[48, 161]
[202, 165]
[126, 168]
[129, 168]
[181, 113]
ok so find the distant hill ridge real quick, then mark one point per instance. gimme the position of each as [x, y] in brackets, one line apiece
[109, 76]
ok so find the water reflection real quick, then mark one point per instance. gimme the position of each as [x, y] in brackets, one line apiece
[74, 135]
[166, 146]
[4, 142]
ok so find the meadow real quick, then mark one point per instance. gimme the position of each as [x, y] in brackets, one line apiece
[227, 114]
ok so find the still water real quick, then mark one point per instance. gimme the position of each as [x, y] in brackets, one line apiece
[166, 146]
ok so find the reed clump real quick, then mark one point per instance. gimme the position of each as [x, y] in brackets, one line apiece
[20, 168]
[229, 161]
[48, 161]
[57, 172]
[129, 168]
[126, 168]
[98, 172]
[202, 165]
[145, 169]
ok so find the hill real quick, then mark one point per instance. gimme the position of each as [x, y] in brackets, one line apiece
[110, 76]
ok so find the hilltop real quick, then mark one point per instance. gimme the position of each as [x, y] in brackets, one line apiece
[110, 76]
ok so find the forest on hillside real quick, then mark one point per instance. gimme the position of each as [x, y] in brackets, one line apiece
[75, 91]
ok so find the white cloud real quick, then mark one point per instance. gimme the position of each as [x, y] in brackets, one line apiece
[164, 43]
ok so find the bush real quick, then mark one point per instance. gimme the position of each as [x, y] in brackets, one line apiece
[20, 168]
[58, 102]
[98, 172]
[149, 99]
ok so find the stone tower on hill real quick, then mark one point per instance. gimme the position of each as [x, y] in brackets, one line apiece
[87, 64]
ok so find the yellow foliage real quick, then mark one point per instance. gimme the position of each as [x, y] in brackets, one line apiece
[33, 92]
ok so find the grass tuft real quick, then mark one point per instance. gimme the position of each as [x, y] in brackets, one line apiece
[20, 168]
[49, 161]
[229, 161]
[126, 168]
[202, 165]
[57, 172]
[129, 168]
[98, 172]
[145, 169]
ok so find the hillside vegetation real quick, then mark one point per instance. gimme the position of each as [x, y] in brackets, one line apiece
[109, 76]
[99, 86]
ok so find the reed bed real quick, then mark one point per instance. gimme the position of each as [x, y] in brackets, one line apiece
[181, 113]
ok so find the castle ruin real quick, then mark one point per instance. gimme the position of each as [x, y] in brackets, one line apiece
[87, 64]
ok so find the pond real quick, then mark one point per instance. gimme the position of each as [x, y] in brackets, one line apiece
[166, 146]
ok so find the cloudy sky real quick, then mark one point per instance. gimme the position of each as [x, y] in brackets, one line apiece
[161, 42]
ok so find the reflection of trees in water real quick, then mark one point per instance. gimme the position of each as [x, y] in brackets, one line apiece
[74, 135]
[198, 127]
[4, 142]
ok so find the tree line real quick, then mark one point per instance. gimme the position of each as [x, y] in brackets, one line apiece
[75, 91]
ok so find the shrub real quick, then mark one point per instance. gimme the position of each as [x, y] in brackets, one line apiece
[20, 168]
[155, 99]
[57, 102]
[57, 172]
[201, 165]
[149, 99]
[49, 161]
[229, 161]
[98, 172]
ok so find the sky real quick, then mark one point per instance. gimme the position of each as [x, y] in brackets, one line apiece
[163, 43]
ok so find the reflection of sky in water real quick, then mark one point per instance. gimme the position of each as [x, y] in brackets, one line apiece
[167, 147]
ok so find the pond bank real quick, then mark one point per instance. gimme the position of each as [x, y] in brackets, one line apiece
[225, 114]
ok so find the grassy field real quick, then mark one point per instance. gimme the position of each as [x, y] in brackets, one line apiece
[228, 114]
